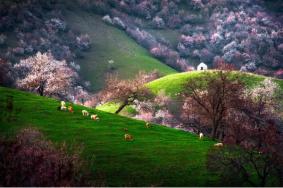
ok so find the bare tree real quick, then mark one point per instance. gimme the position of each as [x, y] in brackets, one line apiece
[253, 152]
[208, 99]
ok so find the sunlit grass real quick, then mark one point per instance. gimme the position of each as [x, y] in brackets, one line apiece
[174, 83]
[158, 156]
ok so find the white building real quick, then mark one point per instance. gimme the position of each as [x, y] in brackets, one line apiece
[202, 66]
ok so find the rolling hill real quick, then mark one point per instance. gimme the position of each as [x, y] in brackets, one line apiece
[173, 84]
[110, 43]
[158, 156]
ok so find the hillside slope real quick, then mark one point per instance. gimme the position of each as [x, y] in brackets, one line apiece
[245, 33]
[173, 84]
[158, 156]
[110, 43]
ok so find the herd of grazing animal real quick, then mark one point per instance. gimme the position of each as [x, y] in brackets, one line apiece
[63, 107]
[127, 136]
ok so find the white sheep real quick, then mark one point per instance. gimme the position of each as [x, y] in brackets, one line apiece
[85, 113]
[218, 144]
[63, 106]
[63, 103]
[201, 135]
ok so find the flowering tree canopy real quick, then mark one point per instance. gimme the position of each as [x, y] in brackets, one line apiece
[45, 75]
[127, 91]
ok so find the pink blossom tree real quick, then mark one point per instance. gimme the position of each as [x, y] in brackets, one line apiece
[45, 75]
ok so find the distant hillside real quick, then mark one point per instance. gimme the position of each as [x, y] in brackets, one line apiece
[158, 156]
[173, 84]
[110, 43]
[89, 46]
[245, 33]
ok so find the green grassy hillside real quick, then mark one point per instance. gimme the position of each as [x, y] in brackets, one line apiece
[112, 107]
[158, 156]
[173, 84]
[110, 43]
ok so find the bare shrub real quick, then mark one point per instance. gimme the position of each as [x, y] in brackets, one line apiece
[30, 160]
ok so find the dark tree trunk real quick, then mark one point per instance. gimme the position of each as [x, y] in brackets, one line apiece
[40, 91]
[121, 107]
[221, 134]
[263, 182]
[214, 132]
[40, 88]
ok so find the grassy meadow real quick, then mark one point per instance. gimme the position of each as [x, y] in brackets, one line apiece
[158, 156]
[174, 84]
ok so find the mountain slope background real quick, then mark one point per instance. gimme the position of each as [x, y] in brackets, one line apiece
[180, 34]
[110, 43]
[247, 34]
[70, 33]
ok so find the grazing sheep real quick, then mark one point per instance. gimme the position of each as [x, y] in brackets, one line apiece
[94, 117]
[201, 135]
[85, 113]
[63, 103]
[147, 125]
[63, 106]
[70, 109]
[129, 137]
[218, 145]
